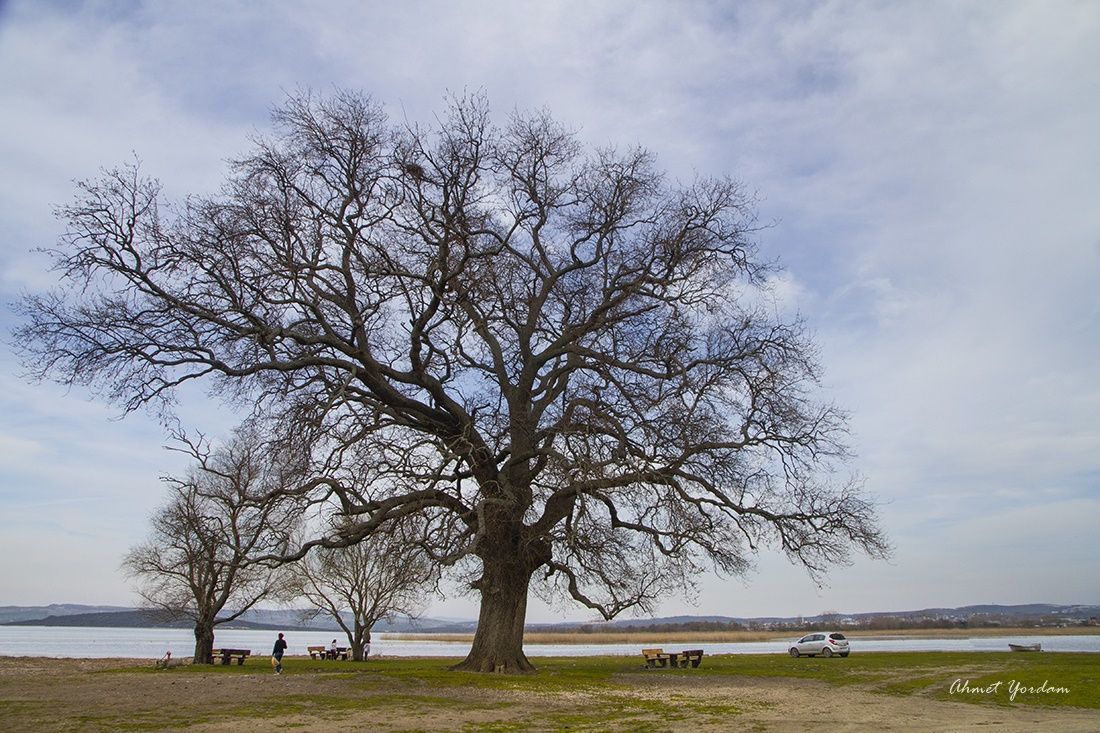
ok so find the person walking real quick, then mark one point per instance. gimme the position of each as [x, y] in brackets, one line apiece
[277, 654]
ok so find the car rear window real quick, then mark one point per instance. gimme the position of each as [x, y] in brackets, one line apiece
[838, 637]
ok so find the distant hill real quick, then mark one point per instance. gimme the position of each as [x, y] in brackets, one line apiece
[26, 613]
[128, 618]
[141, 619]
[1028, 610]
[262, 619]
[1068, 613]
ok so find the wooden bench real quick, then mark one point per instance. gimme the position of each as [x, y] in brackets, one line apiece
[323, 652]
[228, 655]
[691, 658]
[656, 658]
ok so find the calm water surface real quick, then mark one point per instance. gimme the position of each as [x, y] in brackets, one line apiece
[55, 641]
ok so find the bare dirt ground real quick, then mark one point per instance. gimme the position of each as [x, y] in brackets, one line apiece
[101, 695]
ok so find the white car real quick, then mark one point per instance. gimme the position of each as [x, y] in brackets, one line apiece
[825, 643]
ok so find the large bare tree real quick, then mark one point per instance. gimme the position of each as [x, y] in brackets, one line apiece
[200, 560]
[569, 364]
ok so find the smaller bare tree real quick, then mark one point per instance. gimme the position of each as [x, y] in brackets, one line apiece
[380, 577]
[199, 560]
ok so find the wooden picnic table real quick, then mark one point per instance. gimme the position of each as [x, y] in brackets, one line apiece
[228, 655]
[659, 658]
[323, 652]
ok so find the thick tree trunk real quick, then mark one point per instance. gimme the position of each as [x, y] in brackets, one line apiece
[498, 641]
[204, 643]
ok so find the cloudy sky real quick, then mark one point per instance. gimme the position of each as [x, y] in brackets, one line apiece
[932, 170]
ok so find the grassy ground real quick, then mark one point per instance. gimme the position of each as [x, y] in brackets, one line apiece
[894, 673]
[567, 694]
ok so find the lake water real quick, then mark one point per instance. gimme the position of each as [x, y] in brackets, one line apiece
[78, 642]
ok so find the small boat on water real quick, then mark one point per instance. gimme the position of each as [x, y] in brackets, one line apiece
[1025, 647]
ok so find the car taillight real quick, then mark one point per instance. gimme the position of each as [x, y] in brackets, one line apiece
[832, 641]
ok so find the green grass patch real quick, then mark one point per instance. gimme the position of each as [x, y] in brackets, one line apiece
[1038, 679]
[1057, 680]
[1049, 679]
